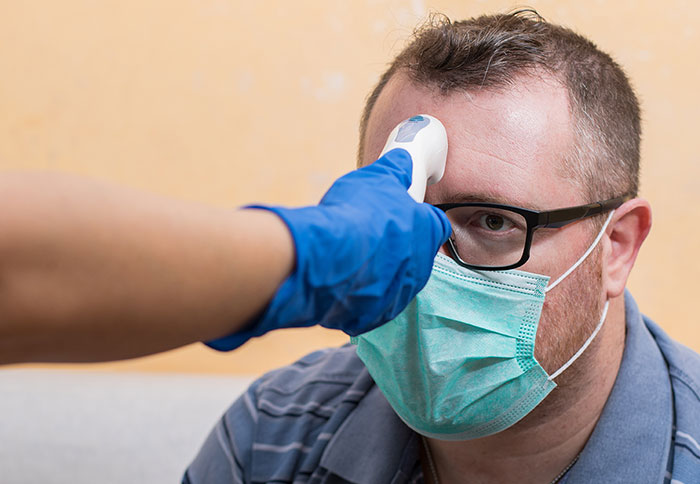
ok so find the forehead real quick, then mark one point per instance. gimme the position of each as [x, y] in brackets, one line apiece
[506, 144]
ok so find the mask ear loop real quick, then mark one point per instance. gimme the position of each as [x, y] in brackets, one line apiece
[585, 345]
[583, 257]
[605, 308]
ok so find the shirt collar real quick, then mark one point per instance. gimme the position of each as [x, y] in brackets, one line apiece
[632, 440]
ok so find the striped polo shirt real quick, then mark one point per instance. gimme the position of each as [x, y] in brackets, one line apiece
[322, 420]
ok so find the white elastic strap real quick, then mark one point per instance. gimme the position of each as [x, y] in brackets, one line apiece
[583, 257]
[585, 345]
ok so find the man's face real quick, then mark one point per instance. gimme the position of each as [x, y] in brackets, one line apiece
[507, 146]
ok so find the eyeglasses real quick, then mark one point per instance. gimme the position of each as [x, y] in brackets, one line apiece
[489, 236]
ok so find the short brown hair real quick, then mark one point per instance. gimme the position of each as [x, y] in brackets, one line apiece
[492, 51]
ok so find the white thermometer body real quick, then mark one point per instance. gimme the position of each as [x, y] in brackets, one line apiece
[425, 138]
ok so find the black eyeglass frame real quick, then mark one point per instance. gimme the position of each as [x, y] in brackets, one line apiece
[535, 220]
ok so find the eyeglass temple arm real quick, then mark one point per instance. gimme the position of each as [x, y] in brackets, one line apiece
[565, 216]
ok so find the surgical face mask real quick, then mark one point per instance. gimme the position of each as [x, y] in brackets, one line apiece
[459, 362]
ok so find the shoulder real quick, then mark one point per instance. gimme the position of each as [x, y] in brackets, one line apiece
[280, 426]
[335, 367]
[684, 372]
[683, 366]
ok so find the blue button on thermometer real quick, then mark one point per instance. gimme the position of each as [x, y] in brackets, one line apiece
[425, 138]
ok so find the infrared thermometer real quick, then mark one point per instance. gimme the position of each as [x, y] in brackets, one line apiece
[425, 138]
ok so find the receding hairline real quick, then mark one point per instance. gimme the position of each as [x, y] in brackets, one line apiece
[521, 79]
[533, 73]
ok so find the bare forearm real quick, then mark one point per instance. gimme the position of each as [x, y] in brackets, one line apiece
[91, 271]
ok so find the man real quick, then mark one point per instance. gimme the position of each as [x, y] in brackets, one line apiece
[537, 118]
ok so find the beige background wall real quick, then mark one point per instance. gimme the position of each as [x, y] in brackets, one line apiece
[230, 102]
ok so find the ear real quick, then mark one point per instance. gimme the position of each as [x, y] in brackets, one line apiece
[627, 230]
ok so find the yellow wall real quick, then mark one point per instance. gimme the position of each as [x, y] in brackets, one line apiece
[230, 102]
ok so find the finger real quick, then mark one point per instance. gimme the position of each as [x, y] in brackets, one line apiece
[396, 164]
[444, 226]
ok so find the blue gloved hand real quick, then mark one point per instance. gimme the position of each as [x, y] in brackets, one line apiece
[362, 254]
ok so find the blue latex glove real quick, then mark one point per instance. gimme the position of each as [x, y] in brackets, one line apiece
[362, 254]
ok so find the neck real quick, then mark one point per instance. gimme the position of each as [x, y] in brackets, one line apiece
[540, 446]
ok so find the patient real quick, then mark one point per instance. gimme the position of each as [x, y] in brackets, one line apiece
[524, 359]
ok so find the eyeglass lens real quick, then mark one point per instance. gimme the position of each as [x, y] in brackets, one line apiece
[484, 236]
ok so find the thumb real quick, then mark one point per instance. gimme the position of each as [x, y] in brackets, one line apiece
[396, 164]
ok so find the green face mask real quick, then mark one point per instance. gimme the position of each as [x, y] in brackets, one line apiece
[459, 362]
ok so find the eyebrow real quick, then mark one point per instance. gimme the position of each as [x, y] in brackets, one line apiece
[467, 197]
[489, 198]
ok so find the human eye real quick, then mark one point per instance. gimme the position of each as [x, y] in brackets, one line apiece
[486, 235]
[496, 222]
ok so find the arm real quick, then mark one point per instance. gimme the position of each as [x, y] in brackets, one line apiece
[91, 271]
